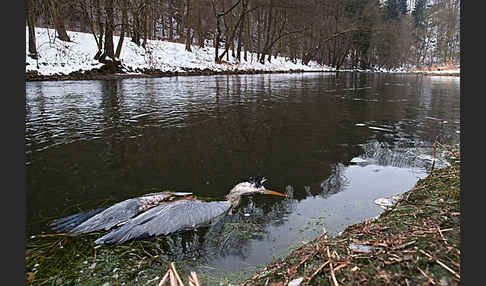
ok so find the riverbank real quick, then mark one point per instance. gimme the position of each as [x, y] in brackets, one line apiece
[414, 242]
[448, 69]
[59, 60]
[100, 74]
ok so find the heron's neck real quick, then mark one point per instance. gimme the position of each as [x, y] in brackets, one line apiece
[233, 198]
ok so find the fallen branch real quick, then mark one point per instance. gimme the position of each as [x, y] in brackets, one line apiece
[441, 264]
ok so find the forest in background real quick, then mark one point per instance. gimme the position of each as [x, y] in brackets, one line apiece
[364, 34]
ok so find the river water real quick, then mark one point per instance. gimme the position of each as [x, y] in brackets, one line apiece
[334, 141]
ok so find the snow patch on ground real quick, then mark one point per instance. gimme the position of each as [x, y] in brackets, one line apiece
[59, 57]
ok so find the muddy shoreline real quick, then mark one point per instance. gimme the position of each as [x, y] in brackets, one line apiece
[104, 73]
[98, 74]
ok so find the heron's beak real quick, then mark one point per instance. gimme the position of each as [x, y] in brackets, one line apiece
[269, 192]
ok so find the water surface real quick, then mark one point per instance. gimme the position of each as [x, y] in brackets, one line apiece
[335, 142]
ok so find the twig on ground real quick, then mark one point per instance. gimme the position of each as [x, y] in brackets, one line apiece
[441, 264]
[172, 266]
[442, 236]
[433, 164]
[195, 278]
[332, 270]
[317, 271]
[404, 245]
[455, 154]
[426, 276]
[164, 279]
[172, 279]
[140, 263]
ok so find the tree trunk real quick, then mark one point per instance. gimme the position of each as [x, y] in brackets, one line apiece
[240, 41]
[109, 46]
[249, 44]
[31, 24]
[101, 30]
[188, 26]
[216, 48]
[150, 20]
[269, 21]
[135, 11]
[145, 23]
[200, 33]
[124, 7]
[171, 26]
[217, 35]
[58, 19]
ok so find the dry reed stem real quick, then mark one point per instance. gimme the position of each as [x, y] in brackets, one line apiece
[172, 266]
[441, 235]
[172, 279]
[426, 276]
[332, 269]
[404, 245]
[441, 264]
[317, 271]
[195, 278]
[50, 235]
[164, 279]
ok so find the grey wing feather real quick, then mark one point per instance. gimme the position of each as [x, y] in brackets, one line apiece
[118, 213]
[67, 223]
[165, 219]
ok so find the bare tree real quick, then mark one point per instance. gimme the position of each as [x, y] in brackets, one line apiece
[31, 24]
[124, 11]
[56, 10]
[109, 46]
[188, 26]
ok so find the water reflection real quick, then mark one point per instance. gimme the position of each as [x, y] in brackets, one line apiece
[263, 228]
[335, 142]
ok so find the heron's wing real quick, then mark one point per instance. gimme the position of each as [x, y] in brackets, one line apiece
[165, 219]
[118, 213]
[69, 222]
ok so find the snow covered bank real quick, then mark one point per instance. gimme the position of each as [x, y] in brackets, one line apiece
[448, 72]
[62, 58]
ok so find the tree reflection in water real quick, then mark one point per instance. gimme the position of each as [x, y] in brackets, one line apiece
[336, 182]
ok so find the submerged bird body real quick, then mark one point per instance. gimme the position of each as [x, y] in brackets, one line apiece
[165, 219]
[155, 214]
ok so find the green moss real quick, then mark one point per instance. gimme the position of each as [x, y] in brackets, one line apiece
[402, 239]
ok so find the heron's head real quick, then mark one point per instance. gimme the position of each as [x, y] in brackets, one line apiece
[250, 186]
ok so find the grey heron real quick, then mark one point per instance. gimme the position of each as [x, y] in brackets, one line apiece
[156, 214]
